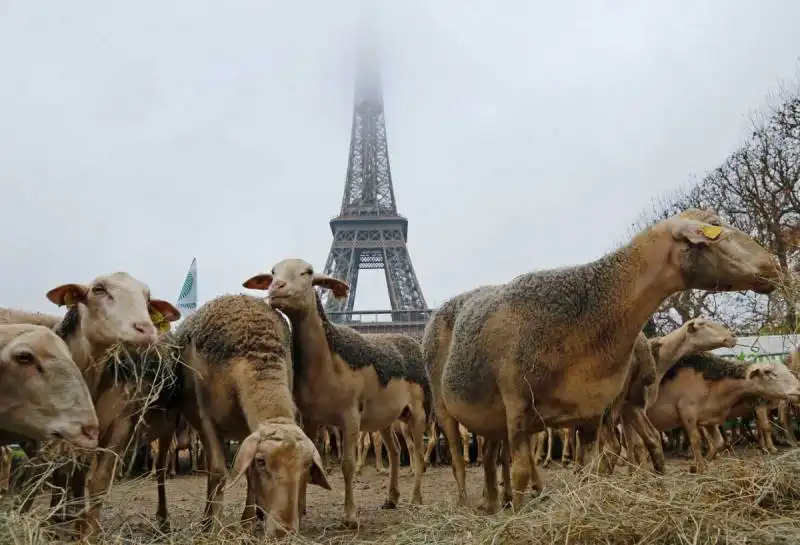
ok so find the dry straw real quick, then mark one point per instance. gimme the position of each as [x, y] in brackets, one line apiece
[148, 378]
[754, 500]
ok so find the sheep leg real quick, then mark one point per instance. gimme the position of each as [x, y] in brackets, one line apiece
[251, 511]
[193, 451]
[566, 443]
[715, 442]
[764, 427]
[610, 447]
[523, 468]
[377, 442]
[464, 442]
[155, 450]
[362, 446]
[349, 430]
[648, 433]
[688, 415]
[215, 466]
[415, 450]
[433, 437]
[404, 429]
[549, 455]
[102, 475]
[58, 494]
[537, 446]
[783, 418]
[489, 502]
[586, 442]
[450, 428]
[393, 448]
[310, 428]
[162, 516]
[172, 456]
[5, 467]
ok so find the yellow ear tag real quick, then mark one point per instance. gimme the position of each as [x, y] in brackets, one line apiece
[158, 320]
[711, 231]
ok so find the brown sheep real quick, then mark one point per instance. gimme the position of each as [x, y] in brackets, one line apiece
[42, 393]
[238, 386]
[551, 348]
[701, 389]
[185, 438]
[346, 379]
[695, 335]
[111, 310]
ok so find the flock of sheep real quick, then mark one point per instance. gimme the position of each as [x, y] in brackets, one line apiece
[550, 350]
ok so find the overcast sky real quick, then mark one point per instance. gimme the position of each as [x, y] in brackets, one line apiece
[522, 135]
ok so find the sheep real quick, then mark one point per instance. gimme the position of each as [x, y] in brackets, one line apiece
[112, 310]
[238, 385]
[508, 360]
[701, 389]
[42, 393]
[695, 335]
[184, 438]
[343, 378]
[15, 316]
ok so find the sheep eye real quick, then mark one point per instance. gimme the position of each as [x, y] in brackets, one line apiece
[98, 289]
[261, 463]
[25, 358]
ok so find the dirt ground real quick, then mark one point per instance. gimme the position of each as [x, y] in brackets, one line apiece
[130, 508]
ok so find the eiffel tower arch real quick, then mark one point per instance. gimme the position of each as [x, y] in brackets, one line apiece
[369, 233]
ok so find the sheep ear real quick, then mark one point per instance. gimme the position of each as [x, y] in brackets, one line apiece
[68, 294]
[338, 287]
[166, 309]
[244, 457]
[258, 282]
[317, 475]
[695, 232]
[691, 327]
[655, 347]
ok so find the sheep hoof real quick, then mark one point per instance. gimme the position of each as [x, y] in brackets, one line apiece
[350, 525]
[389, 504]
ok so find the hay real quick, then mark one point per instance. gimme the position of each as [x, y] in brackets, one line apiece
[752, 500]
[149, 378]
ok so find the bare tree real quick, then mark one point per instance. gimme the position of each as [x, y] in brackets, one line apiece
[757, 190]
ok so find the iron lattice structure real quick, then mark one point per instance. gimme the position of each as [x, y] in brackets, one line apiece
[369, 233]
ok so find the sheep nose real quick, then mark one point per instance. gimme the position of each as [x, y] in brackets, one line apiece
[92, 432]
[277, 284]
[144, 328]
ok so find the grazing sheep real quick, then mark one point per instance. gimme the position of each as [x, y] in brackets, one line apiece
[112, 310]
[551, 348]
[42, 393]
[701, 389]
[346, 379]
[238, 386]
[695, 335]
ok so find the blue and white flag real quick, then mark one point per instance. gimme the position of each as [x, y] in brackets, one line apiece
[187, 300]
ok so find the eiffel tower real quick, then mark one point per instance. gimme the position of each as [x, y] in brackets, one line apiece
[369, 233]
